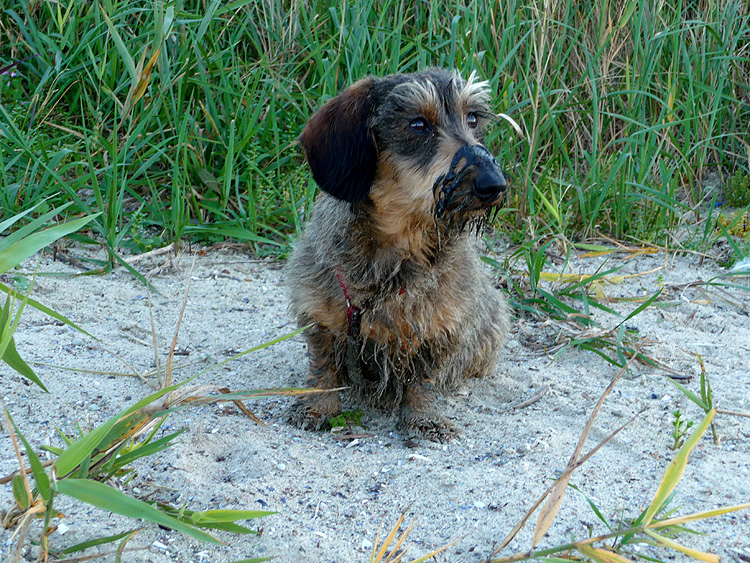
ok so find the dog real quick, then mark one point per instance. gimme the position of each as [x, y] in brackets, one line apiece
[387, 273]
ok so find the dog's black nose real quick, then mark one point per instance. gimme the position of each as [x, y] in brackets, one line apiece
[490, 184]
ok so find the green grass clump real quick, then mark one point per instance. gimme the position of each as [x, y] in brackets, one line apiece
[185, 115]
[346, 419]
[80, 470]
[738, 190]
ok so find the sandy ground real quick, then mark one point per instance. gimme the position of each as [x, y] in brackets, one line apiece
[332, 495]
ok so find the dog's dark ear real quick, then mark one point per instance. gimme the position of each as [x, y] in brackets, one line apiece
[339, 147]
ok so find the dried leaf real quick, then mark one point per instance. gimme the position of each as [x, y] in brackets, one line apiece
[145, 77]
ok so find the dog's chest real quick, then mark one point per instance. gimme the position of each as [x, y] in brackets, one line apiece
[409, 316]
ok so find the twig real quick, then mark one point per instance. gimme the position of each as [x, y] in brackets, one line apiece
[153, 338]
[733, 413]
[527, 402]
[170, 356]
[149, 254]
[98, 555]
[27, 470]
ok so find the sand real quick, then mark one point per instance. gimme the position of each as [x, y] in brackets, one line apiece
[331, 495]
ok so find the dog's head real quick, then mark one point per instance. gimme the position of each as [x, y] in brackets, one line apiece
[416, 138]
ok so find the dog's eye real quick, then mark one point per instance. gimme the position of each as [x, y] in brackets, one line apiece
[472, 120]
[420, 125]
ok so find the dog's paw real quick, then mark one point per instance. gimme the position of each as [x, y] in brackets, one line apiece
[428, 425]
[313, 413]
[303, 415]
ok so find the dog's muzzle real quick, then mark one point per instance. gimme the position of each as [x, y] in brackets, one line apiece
[488, 185]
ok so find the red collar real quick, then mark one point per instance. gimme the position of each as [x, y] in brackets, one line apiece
[353, 313]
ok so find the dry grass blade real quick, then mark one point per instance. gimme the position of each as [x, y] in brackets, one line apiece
[243, 408]
[22, 470]
[645, 525]
[388, 554]
[170, 357]
[434, 553]
[207, 393]
[601, 555]
[395, 556]
[33, 507]
[154, 343]
[698, 516]
[22, 532]
[528, 402]
[733, 413]
[549, 510]
[513, 124]
[544, 495]
[118, 552]
[695, 554]
[389, 539]
[573, 464]
[150, 254]
[375, 545]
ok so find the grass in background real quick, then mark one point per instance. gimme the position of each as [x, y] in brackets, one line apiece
[179, 120]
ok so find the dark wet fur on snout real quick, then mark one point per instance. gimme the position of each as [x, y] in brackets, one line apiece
[386, 273]
[470, 159]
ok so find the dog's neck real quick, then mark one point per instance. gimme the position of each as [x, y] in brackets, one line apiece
[392, 247]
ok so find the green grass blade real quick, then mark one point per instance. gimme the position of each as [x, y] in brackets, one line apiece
[145, 450]
[693, 553]
[15, 361]
[9, 222]
[231, 527]
[99, 541]
[223, 515]
[121, 48]
[8, 352]
[37, 469]
[592, 505]
[105, 497]
[77, 452]
[689, 394]
[45, 309]
[18, 488]
[31, 226]
[12, 256]
[641, 307]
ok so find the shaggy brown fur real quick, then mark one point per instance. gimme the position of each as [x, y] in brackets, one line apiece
[387, 272]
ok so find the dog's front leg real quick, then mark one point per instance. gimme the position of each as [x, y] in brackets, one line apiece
[418, 418]
[313, 411]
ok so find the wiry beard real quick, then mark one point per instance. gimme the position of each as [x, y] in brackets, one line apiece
[456, 206]
[446, 186]
[456, 212]
[456, 222]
